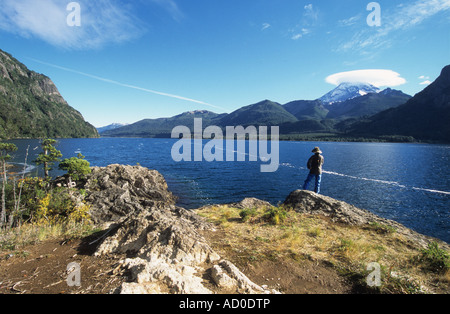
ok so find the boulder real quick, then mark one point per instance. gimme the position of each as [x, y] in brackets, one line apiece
[162, 234]
[251, 202]
[313, 203]
[117, 191]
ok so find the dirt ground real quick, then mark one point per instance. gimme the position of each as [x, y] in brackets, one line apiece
[42, 269]
[293, 278]
[284, 274]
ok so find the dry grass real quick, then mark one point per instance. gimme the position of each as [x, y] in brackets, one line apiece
[250, 236]
[29, 234]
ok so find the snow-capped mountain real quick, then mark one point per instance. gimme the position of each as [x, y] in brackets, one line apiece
[112, 126]
[346, 91]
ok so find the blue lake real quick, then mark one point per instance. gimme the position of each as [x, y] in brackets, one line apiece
[408, 183]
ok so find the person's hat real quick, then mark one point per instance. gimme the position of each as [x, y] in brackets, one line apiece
[317, 150]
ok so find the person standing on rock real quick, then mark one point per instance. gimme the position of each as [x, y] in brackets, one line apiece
[315, 164]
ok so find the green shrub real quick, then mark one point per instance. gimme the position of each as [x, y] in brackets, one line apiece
[435, 258]
[42, 204]
[77, 167]
[275, 215]
[248, 214]
[381, 228]
[53, 208]
[346, 244]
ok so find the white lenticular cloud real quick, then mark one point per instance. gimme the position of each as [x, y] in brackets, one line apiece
[377, 78]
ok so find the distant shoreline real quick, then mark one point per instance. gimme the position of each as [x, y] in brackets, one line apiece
[283, 138]
[292, 138]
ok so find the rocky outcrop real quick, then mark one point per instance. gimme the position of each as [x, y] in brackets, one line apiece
[44, 87]
[250, 203]
[164, 250]
[117, 191]
[312, 203]
[341, 212]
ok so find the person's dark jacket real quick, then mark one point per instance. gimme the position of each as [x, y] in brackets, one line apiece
[315, 164]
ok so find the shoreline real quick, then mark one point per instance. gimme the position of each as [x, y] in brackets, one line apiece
[283, 138]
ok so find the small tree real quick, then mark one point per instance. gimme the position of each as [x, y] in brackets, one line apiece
[5, 149]
[49, 156]
[77, 167]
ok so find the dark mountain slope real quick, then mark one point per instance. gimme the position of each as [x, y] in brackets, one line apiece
[32, 107]
[163, 127]
[425, 117]
[367, 105]
[307, 109]
[263, 113]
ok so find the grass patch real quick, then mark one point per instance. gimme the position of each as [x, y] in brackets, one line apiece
[258, 234]
[248, 214]
[381, 228]
[275, 215]
[435, 259]
[30, 234]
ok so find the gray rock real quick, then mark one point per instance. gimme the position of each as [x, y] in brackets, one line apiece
[312, 203]
[250, 203]
[117, 191]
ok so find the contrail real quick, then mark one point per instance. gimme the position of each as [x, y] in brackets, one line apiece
[126, 85]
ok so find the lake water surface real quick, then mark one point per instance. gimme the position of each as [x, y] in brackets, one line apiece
[408, 183]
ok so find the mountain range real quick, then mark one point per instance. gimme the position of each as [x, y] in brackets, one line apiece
[350, 111]
[32, 107]
[348, 102]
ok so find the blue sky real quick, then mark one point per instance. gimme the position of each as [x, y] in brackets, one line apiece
[131, 60]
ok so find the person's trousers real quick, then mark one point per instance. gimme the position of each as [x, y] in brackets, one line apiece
[318, 178]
